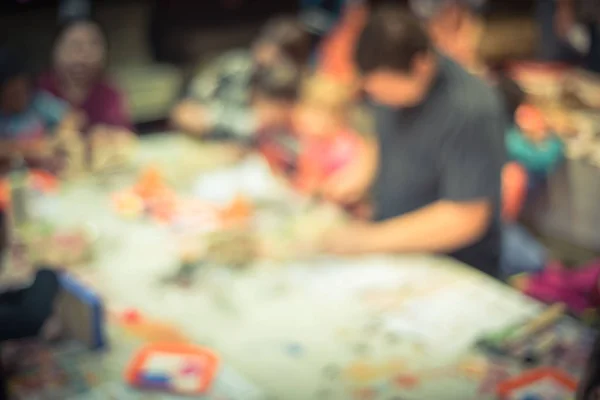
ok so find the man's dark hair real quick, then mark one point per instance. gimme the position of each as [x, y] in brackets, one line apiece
[290, 36]
[280, 81]
[391, 39]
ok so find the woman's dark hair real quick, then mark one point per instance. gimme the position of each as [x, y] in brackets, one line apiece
[391, 39]
[280, 81]
[290, 36]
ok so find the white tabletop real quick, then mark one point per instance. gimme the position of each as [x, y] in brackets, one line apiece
[320, 328]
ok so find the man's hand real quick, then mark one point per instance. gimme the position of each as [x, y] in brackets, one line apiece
[352, 239]
[346, 186]
[191, 118]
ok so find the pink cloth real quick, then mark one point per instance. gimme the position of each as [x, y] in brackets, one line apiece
[576, 288]
[330, 154]
[105, 105]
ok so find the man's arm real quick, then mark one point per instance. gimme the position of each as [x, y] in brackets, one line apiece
[441, 227]
[470, 168]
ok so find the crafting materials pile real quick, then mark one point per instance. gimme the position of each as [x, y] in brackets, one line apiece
[235, 248]
[65, 248]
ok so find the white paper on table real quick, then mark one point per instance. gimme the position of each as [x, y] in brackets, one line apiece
[252, 178]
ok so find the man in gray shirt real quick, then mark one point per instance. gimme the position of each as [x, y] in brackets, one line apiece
[440, 150]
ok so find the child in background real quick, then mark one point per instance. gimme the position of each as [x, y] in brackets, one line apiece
[218, 104]
[26, 117]
[532, 144]
[274, 95]
[323, 121]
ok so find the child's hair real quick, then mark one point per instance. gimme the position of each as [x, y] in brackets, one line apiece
[290, 36]
[11, 66]
[327, 94]
[279, 82]
[512, 94]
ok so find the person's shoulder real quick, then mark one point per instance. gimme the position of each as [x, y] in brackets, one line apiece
[470, 97]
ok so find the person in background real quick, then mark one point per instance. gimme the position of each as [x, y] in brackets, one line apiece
[437, 185]
[336, 52]
[570, 31]
[218, 102]
[455, 27]
[78, 77]
[27, 117]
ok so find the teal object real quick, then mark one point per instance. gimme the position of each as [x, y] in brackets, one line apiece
[538, 158]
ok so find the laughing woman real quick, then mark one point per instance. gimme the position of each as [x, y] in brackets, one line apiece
[78, 77]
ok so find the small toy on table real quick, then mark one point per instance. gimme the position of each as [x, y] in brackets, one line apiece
[176, 368]
[532, 144]
[528, 340]
[189, 263]
[149, 195]
[327, 141]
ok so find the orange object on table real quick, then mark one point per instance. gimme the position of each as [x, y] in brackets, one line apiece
[151, 183]
[43, 181]
[514, 190]
[530, 378]
[239, 211]
[195, 376]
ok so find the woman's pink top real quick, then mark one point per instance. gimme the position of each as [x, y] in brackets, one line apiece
[105, 105]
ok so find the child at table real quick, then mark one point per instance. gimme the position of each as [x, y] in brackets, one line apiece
[274, 94]
[532, 144]
[27, 117]
[323, 120]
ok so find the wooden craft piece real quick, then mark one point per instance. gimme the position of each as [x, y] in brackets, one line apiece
[70, 149]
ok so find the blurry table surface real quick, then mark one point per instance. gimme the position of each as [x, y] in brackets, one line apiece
[326, 328]
[566, 207]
